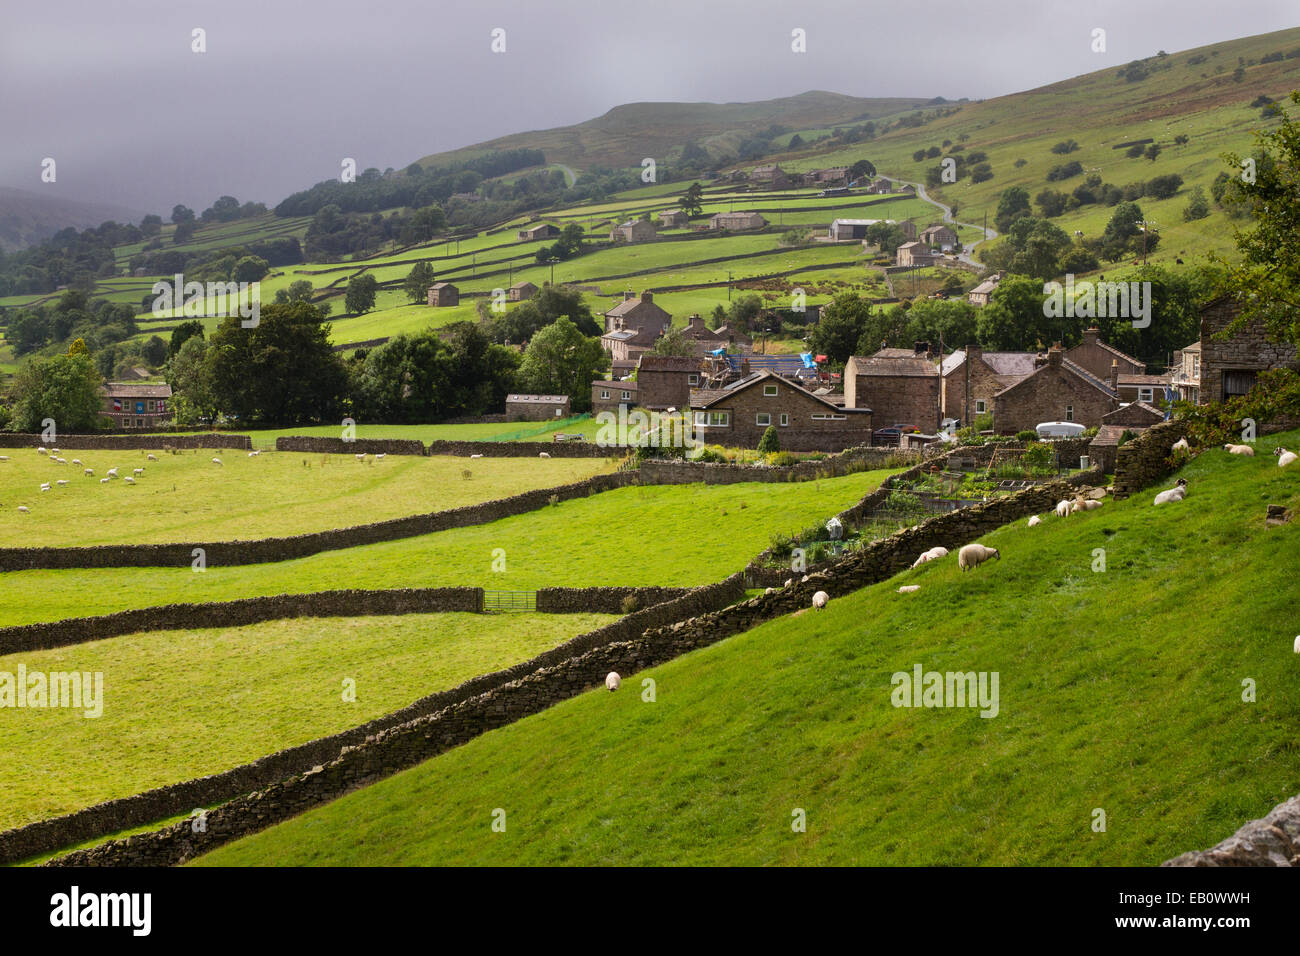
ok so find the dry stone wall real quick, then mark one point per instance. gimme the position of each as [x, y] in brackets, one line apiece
[674, 472]
[314, 444]
[525, 449]
[150, 442]
[1272, 841]
[1144, 460]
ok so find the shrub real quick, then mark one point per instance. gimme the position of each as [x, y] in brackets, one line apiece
[1276, 393]
[711, 456]
[1027, 435]
[770, 442]
[1038, 455]
[629, 603]
[778, 459]
[780, 545]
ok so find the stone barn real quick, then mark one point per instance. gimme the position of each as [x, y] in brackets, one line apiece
[443, 294]
[536, 408]
[1229, 367]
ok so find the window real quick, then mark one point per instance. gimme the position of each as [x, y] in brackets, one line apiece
[1196, 366]
[1069, 413]
[785, 419]
[627, 396]
[720, 418]
[604, 393]
[1144, 394]
[148, 406]
[980, 406]
[559, 412]
[769, 391]
[826, 417]
[762, 418]
[693, 379]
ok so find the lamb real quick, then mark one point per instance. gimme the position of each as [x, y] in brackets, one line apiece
[908, 588]
[1176, 493]
[1035, 521]
[129, 480]
[930, 555]
[151, 456]
[1180, 444]
[1063, 508]
[973, 555]
[137, 471]
[543, 454]
[23, 509]
[613, 681]
[61, 482]
[217, 461]
[103, 481]
[1285, 457]
[820, 599]
[1239, 450]
[476, 456]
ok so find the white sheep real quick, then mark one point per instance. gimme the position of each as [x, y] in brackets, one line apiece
[972, 555]
[1239, 450]
[217, 461]
[103, 481]
[112, 472]
[45, 486]
[1180, 444]
[613, 681]
[820, 599]
[1035, 521]
[23, 509]
[1063, 508]
[255, 453]
[77, 461]
[89, 472]
[543, 454]
[361, 457]
[930, 555]
[251, 454]
[770, 591]
[1296, 645]
[42, 451]
[151, 456]
[137, 471]
[129, 480]
[1284, 457]
[4, 457]
[61, 482]
[475, 456]
[381, 456]
[788, 582]
[61, 461]
[1176, 493]
[1085, 504]
[908, 588]
[54, 451]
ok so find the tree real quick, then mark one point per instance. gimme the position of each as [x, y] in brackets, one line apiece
[282, 372]
[560, 360]
[64, 388]
[1152, 152]
[674, 342]
[249, 269]
[418, 280]
[151, 225]
[190, 374]
[154, 351]
[184, 232]
[842, 322]
[691, 203]
[1266, 282]
[1198, 207]
[1163, 187]
[182, 214]
[1126, 233]
[525, 320]
[1013, 204]
[184, 331]
[1051, 202]
[770, 443]
[1013, 320]
[361, 293]
[862, 169]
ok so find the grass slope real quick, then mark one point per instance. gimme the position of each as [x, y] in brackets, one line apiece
[182, 704]
[1119, 690]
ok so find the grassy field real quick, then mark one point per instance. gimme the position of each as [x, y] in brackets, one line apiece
[673, 535]
[1135, 709]
[182, 704]
[185, 497]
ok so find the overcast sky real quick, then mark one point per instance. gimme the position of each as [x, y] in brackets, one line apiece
[287, 88]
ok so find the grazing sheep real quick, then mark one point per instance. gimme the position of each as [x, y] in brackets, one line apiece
[45, 487]
[972, 555]
[361, 457]
[254, 453]
[476, 456]
[1285, 457]
[90, 471]
[4, 457]
[820, 599]
[613, 681]
[251, 454]
[112, 472]
[151, 456]
[42, 451]
[54, 451]
[1239, 450]
[381, 456]
[1297, 640]
[217, 461]
[137, 471]
[61, 482]
[77, 461]
[103, 481]
[129, 480]
[543, 454]
[908, 588]
[1035, 521]
[1181, 443]
[930, 555]
[1063, 508]
[23, 509]
[1176, 493]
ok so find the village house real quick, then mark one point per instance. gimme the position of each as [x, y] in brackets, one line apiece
[536, 408]
[1096, 356]
[900, 386]
[939, 235]
[770, 176]
[1186, 377]
[982, 293]
[1230, 367]
[913, 254]
[1133, 418]
[908, 229]
[834, 176]
[737, 221]
[1142, 387]
[634, 230]
[698, 331]
[466, 197]
[739, 414]
[443, 294]
[521, 291]
[1058, 390]
[665, 381]
[970, 377]
[607, 396]
[878, 187]
[135, 405]
[673, 219]
[636, 312]
[543, 230]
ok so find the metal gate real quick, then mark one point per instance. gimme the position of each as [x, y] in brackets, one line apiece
[509, 601]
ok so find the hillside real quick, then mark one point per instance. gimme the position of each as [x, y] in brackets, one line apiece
[27, 217]
[627, 134]
[1137, 710]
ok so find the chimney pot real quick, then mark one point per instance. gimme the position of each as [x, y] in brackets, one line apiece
[1054, 356]
[647, 296]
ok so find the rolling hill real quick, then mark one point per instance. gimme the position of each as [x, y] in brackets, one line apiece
[26, 217]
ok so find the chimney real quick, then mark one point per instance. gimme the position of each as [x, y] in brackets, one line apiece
[974, 353]
[921, 348]
[1090, 335]
[695, 322]
[1054, 356]
[1114, 376]
[647, 297]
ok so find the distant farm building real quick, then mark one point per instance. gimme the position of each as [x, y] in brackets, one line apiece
[914, 254]
[543, 230]
[850, 228]
[981, 293]
[736, 221]
[673, 219]
[536, 408]
[940, 236]
[521, 291]
[443, 294]
[772, 176]
[634, 230]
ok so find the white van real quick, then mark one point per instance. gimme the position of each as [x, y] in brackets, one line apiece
[1059, 429]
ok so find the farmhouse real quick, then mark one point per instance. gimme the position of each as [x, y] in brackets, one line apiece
[740, 413]
[665, 381]
[736, 221]
[443, 294]
[772, 176]
[981, 294]
[543, 230]
[634, 230]
[878, 187]
[914, 254]
[1186, 372]
[697, 331]
[834, 176]
[1096, 356]
[536, 408]
[521, 291]
[132, 405]
[1229, 367]
[970, 377]
[673, 219]
[850, 228]
[1056, 391]
[637, 312]
[606, 396]
[939, 235]
[900, 386]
